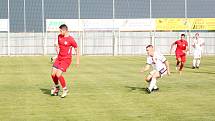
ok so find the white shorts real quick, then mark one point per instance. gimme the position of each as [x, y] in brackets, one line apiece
[162, 72]
[197, 54]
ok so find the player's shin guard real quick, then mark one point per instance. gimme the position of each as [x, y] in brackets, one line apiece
[55, 79]
[62, 82]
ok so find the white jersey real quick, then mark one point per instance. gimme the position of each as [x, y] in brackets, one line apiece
[197, 43]
[197, 51]
[157, 62]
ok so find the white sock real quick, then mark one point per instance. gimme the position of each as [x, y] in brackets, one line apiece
[64, 88]
[194, 62]
[152, 84]
[198, 62]
[155, 86]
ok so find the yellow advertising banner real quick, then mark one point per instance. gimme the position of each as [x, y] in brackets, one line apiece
[185, 24]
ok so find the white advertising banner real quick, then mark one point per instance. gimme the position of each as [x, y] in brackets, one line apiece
[136, 24]
[121, 24]
[3, 24]
[53, 24]
[97, 23]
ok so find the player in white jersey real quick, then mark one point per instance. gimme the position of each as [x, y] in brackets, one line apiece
[160, 67]
[197, 45]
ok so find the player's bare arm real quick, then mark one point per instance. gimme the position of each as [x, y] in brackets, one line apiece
[57, 48]
[193, 42]
[173, 44]
[77, 52]
[145, 68]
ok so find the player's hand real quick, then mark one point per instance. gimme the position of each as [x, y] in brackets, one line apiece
[184, 51]
[168, 73]
[141, 71]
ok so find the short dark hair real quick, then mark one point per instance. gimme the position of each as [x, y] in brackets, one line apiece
[149, 46]
[183, 35]
[63, 26]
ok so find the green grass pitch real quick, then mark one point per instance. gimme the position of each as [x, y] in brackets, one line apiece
[105, 89]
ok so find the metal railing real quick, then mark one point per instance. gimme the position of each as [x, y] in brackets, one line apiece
[99, 42]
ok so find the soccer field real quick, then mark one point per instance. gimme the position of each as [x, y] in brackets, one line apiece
[105, 89]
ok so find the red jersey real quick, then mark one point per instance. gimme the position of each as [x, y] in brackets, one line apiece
[181, 45]
[65, 45]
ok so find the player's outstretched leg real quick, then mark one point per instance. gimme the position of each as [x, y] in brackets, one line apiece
[198, 63]
[55, 89]
[194, 63]
[177, 65]
[152, 83]
[64, 94]
[148, 80]
[181, 68]
[63, 84]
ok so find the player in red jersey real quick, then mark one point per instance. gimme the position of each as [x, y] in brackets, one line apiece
[64, 59]
[180, 52]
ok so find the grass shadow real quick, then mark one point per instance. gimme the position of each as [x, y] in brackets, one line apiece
[45, 91]
[174, 72]
[135, 88]
[188, 67]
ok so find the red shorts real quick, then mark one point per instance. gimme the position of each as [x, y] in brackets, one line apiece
[62, 64]
[181, 56]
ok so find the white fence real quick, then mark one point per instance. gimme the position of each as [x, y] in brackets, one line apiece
[98, 42]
